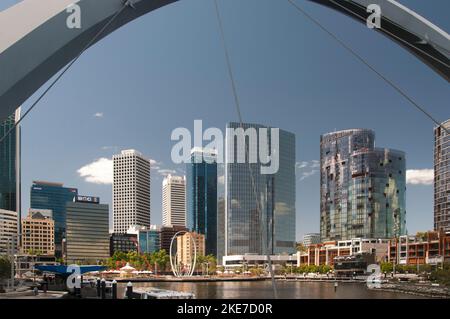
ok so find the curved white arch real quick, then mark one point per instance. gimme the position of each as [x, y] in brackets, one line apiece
[419, 36]
[35, 42]
[173, 264]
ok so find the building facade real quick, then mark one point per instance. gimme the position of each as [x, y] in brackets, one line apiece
[87, 232]
[311, 238]
[166, 235]
[148, 238]
[259, 208]
[131, 191]
[174, 200]
[8, 231]
[186, 251]
[220, 229]
[431, 248]
[325, 253]
[363, 188]
[442, 178]
[10, 163]
[123, 243]
[201, 195]
[53, 196]
[38, 233]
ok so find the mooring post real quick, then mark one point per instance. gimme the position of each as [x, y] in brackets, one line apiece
[114, 289]
[129, 290]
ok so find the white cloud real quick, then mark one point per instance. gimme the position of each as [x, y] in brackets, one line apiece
[99, 171]
[155, 164]
[98, 114]
[165, 172]
[420, 176]
[307, 169]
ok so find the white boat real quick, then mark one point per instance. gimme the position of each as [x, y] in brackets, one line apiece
[156, 293]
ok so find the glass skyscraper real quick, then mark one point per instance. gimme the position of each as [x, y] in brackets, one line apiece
[259, 208]
[46, 195]
[442, 178]
[10, 164]
[362, 187]
[201, 196]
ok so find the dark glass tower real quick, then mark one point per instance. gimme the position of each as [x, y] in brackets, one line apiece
[201, 197]
[259, 208]
[46, 195]
[10, 164]
[442, 178]
[362, 187]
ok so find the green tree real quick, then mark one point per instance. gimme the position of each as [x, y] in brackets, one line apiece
[5, 267]
[387, 267]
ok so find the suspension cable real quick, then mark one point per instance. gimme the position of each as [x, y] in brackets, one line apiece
[127, 3]
[238, 110]
[362, 60]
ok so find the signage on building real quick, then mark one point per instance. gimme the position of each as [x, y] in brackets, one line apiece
[87, 199]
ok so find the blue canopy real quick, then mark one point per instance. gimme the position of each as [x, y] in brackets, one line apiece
[62, 269]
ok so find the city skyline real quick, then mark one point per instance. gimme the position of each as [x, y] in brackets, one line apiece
[98, 119]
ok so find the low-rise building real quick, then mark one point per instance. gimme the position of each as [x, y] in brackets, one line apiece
[428, 248]
[122, 243]
[253, 260]
[38, 233]
[325, 253]
[24, 264]
[8, 231]
[186, 251]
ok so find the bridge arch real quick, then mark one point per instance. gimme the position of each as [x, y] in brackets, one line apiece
[35, 42]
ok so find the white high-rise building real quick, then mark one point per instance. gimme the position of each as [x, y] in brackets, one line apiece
[131, 191]
[174, 201]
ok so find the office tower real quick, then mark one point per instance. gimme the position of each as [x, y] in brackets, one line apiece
[87, 238]
[166, 235]
[38, 233]
[8, 231]
[220, 229]
[362, 187]
[53, 196]
[201, 196]
[442, 178]
[131, 191]
[10, 164]
[174, 201]
[259, 208]
[311, 239]
[186, 249]
[149, 240]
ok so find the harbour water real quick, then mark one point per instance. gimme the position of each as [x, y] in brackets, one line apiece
[263, 290]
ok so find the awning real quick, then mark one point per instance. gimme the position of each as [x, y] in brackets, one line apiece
[63, 270]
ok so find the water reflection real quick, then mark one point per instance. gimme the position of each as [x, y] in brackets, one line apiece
[263, 290]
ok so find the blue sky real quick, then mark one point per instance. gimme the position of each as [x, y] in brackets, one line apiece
[167, 69]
